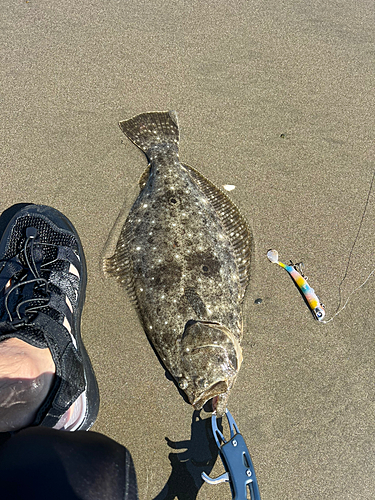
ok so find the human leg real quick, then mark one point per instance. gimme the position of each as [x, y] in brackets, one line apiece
[26, 377]
[43, 464]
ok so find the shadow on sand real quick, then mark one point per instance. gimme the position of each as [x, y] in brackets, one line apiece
[199, 455]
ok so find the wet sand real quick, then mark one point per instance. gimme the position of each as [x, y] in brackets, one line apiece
[275, 99]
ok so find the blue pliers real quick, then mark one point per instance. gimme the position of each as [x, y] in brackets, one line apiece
[236, 460]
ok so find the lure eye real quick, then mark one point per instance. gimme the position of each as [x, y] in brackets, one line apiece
[319, 313]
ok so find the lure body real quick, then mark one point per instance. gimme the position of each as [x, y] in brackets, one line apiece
[317, 308]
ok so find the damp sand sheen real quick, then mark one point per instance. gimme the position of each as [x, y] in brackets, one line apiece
[184, 257]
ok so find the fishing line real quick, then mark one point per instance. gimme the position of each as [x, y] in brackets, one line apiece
[338, 310]
[347, 300]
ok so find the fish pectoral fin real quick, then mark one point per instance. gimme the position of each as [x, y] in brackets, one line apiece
[144, 177]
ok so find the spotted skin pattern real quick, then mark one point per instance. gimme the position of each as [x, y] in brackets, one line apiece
[184, 256]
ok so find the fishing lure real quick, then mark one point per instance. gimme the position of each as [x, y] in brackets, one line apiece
[296, 272]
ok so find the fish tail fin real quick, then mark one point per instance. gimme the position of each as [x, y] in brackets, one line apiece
[148, 130]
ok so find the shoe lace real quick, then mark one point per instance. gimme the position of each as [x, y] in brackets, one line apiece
[30, 281]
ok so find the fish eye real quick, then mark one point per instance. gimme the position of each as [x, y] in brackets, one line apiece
[173, 200]
[205, 268]
[183, 383]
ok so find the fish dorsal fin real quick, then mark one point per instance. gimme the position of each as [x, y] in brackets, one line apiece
[234, 224]
[150, 130]
[119, 266]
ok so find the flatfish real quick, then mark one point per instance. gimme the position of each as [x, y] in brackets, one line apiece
[184, 256]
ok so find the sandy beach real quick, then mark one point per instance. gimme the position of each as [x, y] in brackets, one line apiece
[274, 98]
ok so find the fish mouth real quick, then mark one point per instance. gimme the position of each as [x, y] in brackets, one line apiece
[212, 392]
[211, 357]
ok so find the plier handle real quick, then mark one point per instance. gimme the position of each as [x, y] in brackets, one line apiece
[236, 460]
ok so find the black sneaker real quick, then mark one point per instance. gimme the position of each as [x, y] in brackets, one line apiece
[42, 292]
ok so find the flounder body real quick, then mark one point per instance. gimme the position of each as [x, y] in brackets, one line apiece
[184, 256]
